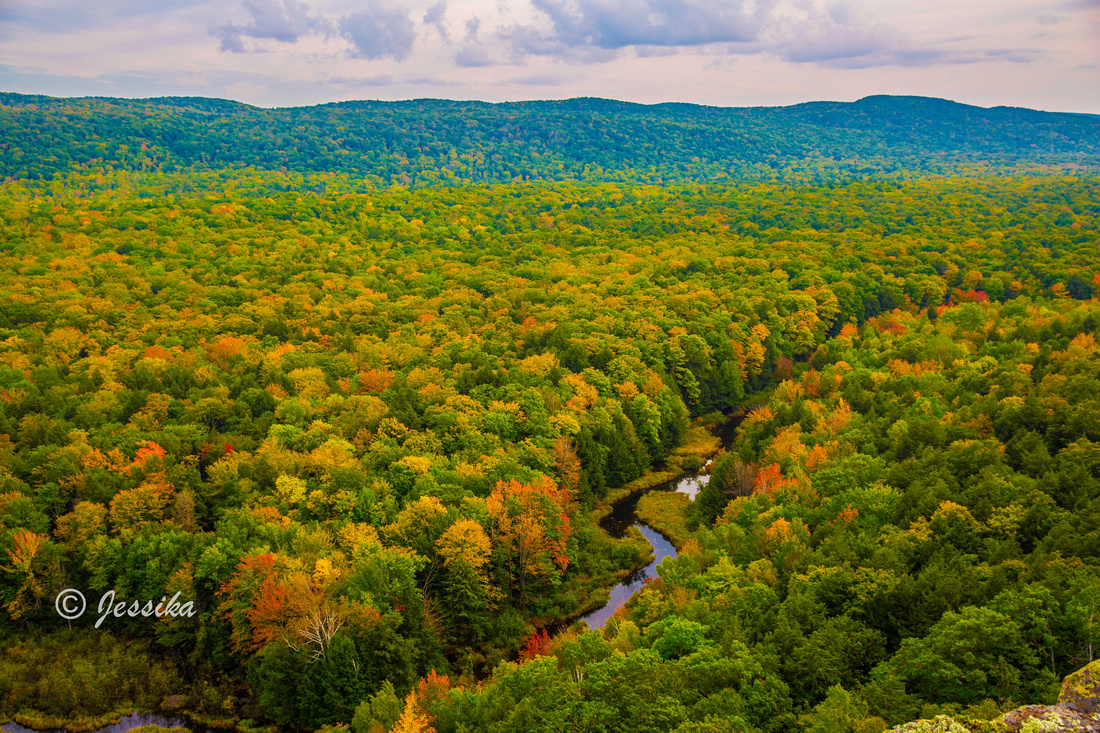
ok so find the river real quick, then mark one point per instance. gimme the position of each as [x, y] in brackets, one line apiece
[624, 515]
[127, 723]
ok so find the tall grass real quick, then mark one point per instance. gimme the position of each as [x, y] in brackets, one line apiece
[70, 674]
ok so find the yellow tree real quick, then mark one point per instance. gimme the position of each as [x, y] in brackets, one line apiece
[413, 719]
[464, 541]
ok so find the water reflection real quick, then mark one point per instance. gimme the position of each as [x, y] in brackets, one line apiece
[623, 515]
[692, 484]
[662, 548]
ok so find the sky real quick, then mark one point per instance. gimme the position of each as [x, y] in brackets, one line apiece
[1042, 54]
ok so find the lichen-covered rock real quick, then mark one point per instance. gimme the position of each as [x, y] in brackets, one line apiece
[1050, 719]
[1078, 707]
[1081, 690]
[938, 724]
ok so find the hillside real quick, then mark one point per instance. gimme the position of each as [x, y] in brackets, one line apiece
[365, 433]
[427, 141]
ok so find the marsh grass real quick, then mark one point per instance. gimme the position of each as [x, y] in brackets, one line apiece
[666, 512]
[80, 681]
[698, 445]
[77, 724]
[699, 442]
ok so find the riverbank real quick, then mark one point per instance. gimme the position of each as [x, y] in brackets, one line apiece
[594, 595]
[666, 512]
[664, 526]
[130, 721]
[698, 446]
[617, 558]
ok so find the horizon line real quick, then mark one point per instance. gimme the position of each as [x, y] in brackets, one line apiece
[545, 101]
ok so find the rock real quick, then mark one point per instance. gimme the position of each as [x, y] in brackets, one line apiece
[1081, 690]
[1049, 719]
[1077, 709]
[938, 724]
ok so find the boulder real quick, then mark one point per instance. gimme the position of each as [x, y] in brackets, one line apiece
[1081, 690]
[1049, 719]
[1077, 709]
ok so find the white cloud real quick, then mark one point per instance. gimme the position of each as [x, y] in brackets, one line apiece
[379, 31]
[279, 20]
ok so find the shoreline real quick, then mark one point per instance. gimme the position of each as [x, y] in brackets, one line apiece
[699, 445]
[664, 512]
[701, 442]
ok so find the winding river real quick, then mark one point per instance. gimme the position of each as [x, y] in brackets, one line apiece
[624, 515]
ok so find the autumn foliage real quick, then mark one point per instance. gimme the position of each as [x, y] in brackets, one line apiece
[369, 430]
[533, 521]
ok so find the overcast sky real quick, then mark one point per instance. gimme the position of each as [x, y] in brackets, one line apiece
[1043, 54]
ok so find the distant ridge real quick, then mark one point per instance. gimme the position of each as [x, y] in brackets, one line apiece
[426, 141]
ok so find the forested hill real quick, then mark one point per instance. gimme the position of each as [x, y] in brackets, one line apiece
[427, 141]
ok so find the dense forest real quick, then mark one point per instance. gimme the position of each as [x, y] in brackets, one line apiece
[366, 430]
[428, 142]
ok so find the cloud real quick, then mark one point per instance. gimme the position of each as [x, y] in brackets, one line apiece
[379, 31]
[381, 80]
[376, 31]
[472, 57]
[828, 33]
[434, 17]
[834, 34]
[1076, 5]
[473, 53]
[611, 25]
[431, 81]
[526, 40]
[650, 51]
[55, 16]
[912, 56]
[279, 20]
[540, 80]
